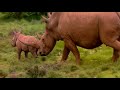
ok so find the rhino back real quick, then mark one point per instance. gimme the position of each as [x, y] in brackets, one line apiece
[81, 28]
[29, 41]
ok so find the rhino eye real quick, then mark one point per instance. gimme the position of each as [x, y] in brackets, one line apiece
[42, 39]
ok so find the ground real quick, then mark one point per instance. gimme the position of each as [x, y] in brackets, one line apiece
[95, 63]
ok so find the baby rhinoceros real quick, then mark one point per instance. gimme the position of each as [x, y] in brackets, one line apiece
[18, 41]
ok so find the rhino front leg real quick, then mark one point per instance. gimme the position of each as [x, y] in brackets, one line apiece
[72, 47]
[19, 53]
[66, 52]
[26, 54]
[34, 54]
[37, 52]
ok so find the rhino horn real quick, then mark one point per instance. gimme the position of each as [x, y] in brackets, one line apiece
[44, 19]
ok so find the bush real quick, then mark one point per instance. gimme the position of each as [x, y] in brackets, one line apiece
[27, 15]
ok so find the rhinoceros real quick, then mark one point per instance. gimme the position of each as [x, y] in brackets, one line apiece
[18, 41]
[85, 29]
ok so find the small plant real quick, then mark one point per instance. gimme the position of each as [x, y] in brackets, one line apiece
[53, 74]
[2, 74]
[36, 72]
[104, 68]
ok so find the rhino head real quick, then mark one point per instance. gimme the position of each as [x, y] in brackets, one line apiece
[15, 35]
[47, 40]
[47, 44]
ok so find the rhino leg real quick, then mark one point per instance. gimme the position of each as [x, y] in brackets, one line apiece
[116, 46]
[73, 48]
[37, 52]
[34, 53]
[19, 53]
[26, 54]
[110, 36]
[115, 55]
[66, 52]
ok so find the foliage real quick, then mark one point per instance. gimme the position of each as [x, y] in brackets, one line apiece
[26, 15]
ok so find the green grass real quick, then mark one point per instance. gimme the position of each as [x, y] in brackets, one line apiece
[95, 63]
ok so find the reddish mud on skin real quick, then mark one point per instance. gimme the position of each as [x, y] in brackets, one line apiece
[19, 40]
[85, 29]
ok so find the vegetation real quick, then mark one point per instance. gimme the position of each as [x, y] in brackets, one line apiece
[96, 63]
[25, 15]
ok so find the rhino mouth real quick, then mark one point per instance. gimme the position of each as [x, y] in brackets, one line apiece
[43, 54]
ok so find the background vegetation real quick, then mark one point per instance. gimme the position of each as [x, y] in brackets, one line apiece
[96, 63]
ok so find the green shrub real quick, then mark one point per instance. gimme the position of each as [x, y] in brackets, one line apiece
[27, 15]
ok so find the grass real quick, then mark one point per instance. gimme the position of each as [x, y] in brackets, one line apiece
[95, 63]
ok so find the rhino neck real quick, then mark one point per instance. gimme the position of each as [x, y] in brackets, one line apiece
[58, 37]
[16, 39]
[55, 35]
[20, 35]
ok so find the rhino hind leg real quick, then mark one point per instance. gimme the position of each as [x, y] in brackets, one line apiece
[116, 53]
[116, 47]
[111, 37]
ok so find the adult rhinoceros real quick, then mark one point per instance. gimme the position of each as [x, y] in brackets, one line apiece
[85, 29]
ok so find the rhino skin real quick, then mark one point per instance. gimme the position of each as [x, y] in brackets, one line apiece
[85, 29]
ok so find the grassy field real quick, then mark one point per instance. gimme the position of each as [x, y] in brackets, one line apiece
[96, 63]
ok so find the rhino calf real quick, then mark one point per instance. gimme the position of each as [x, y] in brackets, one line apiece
[18, 40]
